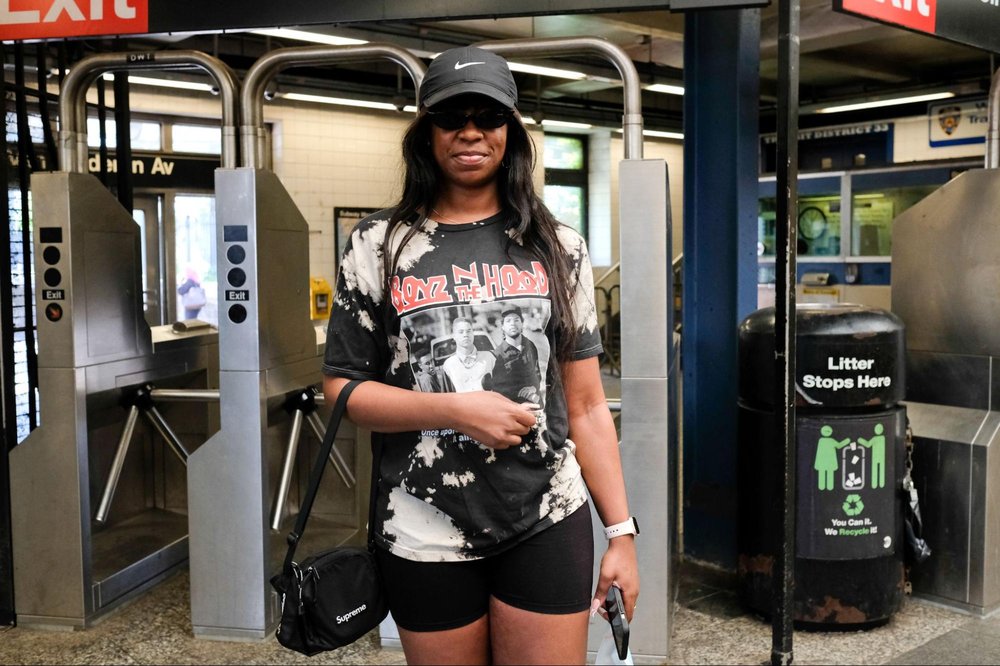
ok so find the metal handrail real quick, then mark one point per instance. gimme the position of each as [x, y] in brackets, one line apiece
[611, 271]
[252, 136]
[73, 149]
[632, 119]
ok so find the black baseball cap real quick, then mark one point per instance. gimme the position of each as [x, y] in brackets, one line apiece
[466, 70]
[511, 310]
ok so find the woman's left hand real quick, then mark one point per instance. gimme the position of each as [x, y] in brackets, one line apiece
[619, 566]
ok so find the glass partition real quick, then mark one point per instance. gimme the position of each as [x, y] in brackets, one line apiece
[872, 213]
[819, 224]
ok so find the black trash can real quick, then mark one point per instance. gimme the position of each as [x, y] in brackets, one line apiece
[850, 443]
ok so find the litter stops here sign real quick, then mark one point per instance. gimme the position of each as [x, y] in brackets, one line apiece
[846, 487]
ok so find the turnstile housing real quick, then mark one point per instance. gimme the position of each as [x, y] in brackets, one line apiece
[268, 348]
[945, 265]
[93, 343]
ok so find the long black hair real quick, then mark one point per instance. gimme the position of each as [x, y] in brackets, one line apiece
[529, 222]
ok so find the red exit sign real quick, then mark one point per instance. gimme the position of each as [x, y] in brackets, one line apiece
[970, 22]
[914, 14]
[43, 19]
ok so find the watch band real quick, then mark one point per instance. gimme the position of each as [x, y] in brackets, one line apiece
[630, 526]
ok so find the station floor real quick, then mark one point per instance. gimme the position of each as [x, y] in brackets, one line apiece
[709, 627]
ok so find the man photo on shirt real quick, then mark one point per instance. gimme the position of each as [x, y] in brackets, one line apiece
[517, 374]
[427, 376]
[468, 369]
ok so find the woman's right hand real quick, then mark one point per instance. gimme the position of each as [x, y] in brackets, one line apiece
[492, 419]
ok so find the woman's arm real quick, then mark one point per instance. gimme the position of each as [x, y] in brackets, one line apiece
[593, 430]
[487, 417]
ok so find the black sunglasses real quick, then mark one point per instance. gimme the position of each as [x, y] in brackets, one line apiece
[486, 119]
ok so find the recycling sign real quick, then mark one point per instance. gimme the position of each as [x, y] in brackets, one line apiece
[847, 485]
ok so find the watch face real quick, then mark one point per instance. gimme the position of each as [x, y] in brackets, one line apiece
[812, 223]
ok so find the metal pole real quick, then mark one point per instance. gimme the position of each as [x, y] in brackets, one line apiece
[336, 459]
[782, 617]
[286, 470]
[267, 66]
[993, 129]
[632, 119]
[185, 395]
[73, 98]
[116, 465]
[161, 426]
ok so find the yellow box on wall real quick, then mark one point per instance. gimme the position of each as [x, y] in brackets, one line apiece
[320, 298]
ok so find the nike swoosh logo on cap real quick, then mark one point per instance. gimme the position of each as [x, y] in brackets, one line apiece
[463, 65]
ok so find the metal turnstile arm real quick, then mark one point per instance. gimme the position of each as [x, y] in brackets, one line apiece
[154, 417]
[286, 469]
[116, 466]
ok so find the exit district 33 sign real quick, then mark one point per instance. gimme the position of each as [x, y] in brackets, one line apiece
[971, 22]
[846, 486]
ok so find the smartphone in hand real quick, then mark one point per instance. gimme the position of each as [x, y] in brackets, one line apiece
[619, 622]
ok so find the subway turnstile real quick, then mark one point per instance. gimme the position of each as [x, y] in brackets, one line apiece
[244, 489]
[96, 354]
[945, 263]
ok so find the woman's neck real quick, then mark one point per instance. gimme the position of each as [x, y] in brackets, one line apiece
[456, 206]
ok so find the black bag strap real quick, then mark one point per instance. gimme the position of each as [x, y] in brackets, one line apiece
[317, 475]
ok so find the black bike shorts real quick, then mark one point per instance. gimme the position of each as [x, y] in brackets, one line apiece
[552, 572]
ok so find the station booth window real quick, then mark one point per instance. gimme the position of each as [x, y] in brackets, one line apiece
[844, 219]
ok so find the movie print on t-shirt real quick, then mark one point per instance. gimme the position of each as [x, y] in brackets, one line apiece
[468, 309]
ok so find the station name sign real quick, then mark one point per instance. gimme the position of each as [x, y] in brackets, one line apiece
[46, 19]
[970, 22]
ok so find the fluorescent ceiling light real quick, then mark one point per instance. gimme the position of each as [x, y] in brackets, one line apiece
[666, 88]
[658, 133]
[565, 123]
[663, 135]
[546, 71]
[320, 38]
[164, 83]
[342, 101]
[886, 102]
[305, 36]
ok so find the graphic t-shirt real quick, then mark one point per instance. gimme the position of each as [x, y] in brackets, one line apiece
[468, 309]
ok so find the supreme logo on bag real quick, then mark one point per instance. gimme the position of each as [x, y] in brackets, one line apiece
[346, 617]
[42, 19]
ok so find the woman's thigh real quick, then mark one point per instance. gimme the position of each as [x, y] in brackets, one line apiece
[469, 644]
[440, 609]
[542, 591]
[519, 636]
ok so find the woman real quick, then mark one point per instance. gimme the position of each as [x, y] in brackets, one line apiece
[483, 529]
[192, 293]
